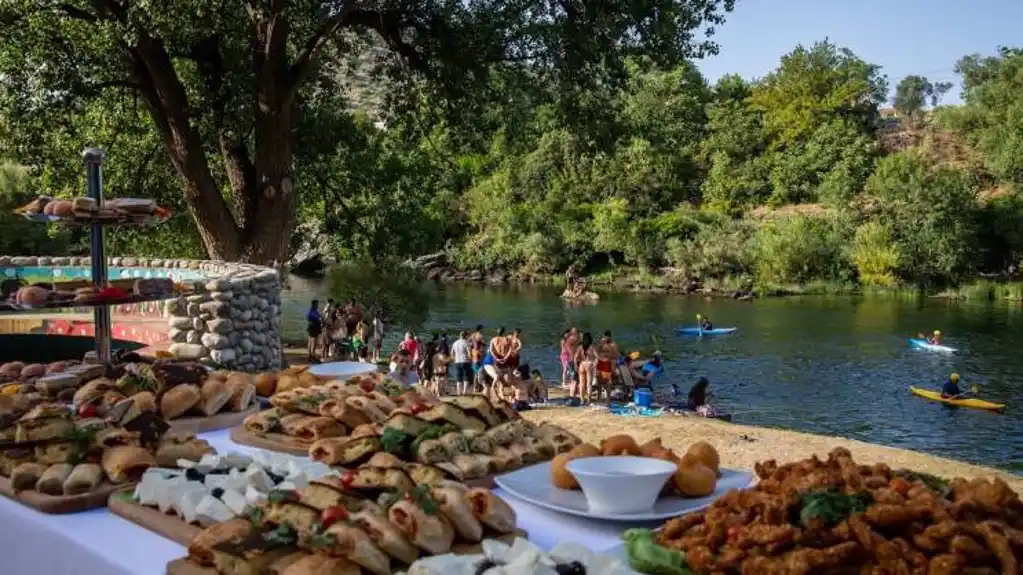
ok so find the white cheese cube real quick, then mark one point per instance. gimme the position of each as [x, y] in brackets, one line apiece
[215, 480]
[186, 463]
[279, 464]
[187, 505]
[256, 477]
[234, 501]
[236, 480]
[239, 460]
[254, 496]
[208, 463]
[212, 510]
[286, 486]
[148, 490]
[299, 480]
[163, 472]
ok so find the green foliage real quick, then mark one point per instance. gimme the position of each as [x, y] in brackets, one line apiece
[930, 212]
[17, 235]
[801, 249]
[875, 256]
[914, 92]
[393, 289]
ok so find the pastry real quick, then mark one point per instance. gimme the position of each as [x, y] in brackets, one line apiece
[264, 421]
[365, 430]
[123, 464]
[26, 476]
[168, 453]
[215, 394]
[52, 481]
[382, 401]
[407, 423]
[427, 532]
[315, 428]
[367, 406]
[355, 545]
[233, 531]
[620, 445]
[133, 205]
[384, 459]
[344, 451]
[242, 395]
[449, 413]
[84, 206]
[51, 453]
[385, 535]
[153, 287]
[178, 400]
[477, 406]
[427, 474]
[479, 442]
[92, 392]
[455, 508]
[455, 443]
[431, 451]
[327, 492]
[472, 466]
[706, 454]
[491, 510]
[561, 477]
[266, 384]
[61, 208]
[36, 206]
[114, 436]
[506, 459]
[57, 382]
[344, 412]
[370, 482]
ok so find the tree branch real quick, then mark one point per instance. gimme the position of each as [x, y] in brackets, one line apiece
[299, 71]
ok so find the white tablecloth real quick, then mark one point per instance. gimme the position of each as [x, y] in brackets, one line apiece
[98, 542]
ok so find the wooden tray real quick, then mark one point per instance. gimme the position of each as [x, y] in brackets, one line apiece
[170, 526]
[60, 504]
[213, 422]
[183, 566]
[271, 441]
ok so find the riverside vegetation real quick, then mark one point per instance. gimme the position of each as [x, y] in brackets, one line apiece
[793, 182]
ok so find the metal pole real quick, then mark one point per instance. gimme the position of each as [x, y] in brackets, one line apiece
[101, 315]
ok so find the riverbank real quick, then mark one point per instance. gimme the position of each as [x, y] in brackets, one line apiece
[742, 446]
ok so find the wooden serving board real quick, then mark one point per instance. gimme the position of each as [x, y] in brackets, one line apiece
[272, 441]
[183, 566]
[213, 422]
[60, 504]
[170, 526]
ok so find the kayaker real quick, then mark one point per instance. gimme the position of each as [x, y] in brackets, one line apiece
[951, 388]
[936, 338]
[704, 323]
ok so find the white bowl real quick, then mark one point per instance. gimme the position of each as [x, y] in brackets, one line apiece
[342, 369]
[621, 484]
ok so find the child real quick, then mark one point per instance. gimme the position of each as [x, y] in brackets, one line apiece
[440, 373]
[538, 389]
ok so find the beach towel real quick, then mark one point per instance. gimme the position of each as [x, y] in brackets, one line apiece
[631, 410]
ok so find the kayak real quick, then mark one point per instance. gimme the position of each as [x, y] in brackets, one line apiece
[698, 331]
[968, 402]
[923, 344]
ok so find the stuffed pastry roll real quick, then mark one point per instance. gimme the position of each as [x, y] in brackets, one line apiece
[26, 476]
[51, 482]
[491, 510]
[455, 507]
[214, 396]
[367, 406]
[382, 401]
[265, 421]
[477, 405]
[114, 436]
[327, 492]
[344, 451]
[455, 443]
[301, 516]
[503, 434]
[431, 533]
[233, 531]
[472, 466]
[370, 482]
[432, 451]
[365, 430]
[427, 474]
[315, 428]
[92, 391]
[84, 478]
[407, 423]
[168, 453]
[242, 395]
[451, 469]
[386, 460]
[347, 414]
[506, 458]
[178, 400]
[386, 536]
[479, 442]
[355, 545]
[125, 463]
[51, 453]
[561, 439]
[320, 565]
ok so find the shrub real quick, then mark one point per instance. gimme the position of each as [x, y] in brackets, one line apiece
[875, 256]
[800, 249]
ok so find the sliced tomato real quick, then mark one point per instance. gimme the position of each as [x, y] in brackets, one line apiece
[347, 478]
[332, 515]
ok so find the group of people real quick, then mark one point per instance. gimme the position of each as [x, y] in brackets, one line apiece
[589, 369]
[494, 368]
[342, 333]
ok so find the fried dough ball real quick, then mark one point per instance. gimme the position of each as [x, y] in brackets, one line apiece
[560, 476]
[584, 450]
[651, 446]
[620, 445]
[694, 479]
[707, 455]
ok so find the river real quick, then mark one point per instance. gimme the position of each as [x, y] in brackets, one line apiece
[837, 366]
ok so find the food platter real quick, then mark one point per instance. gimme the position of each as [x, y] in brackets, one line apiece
[221, 420]
[119, 219]
[121, 504]
[533, 485]
[59, 504]
[10, 307]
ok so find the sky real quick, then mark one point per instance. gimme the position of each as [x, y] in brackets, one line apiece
[924, 37]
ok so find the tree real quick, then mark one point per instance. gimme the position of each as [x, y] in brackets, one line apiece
[395, 290]
[914, 92]
[223, 82]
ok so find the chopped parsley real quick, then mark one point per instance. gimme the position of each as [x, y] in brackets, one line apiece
[432, 432]
[282, 535]
[394, 441]
[932, 482]
[830, 506]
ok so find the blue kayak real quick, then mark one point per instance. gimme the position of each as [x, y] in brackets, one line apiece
[924, 344]
[698, 331]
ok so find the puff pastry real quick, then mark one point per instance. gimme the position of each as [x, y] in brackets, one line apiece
[125, 463]
[178, 400]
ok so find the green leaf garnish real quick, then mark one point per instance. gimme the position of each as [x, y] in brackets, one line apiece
[932, 482]
[647, 556]
[394, 440]
[420, 494]
[831, 507]
[254, 514]
[282, 535]
[282, 496]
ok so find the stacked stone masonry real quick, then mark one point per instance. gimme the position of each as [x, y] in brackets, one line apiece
[233, 321]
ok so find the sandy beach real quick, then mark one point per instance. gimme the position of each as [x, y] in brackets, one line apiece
[741, 446]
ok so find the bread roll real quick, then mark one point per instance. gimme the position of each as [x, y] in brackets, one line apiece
[215, 395]
[62, 208]
[178, 400]
[266, 384]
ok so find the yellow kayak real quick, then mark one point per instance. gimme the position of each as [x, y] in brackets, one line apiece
[969, 402]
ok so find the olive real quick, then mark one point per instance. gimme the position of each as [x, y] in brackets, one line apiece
[484, 566]
[194, 475]
[573, 568]
[217, 492]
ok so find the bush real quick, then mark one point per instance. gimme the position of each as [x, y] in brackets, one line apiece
[718, 249]
[394, 289]
[875, 256]
[801, 249]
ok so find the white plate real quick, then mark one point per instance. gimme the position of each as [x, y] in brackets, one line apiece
[533, 485]
[342, 369]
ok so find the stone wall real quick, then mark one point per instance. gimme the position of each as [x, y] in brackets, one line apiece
[233, 320]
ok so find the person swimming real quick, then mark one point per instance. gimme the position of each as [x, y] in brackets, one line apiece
[951, 388]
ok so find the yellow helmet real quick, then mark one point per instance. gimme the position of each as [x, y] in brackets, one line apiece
[937, 332]
[634, 355]
[955, 378]
[698, 316]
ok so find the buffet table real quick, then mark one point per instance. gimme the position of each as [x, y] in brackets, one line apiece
[98, 542]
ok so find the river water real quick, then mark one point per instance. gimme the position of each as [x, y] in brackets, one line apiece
[835, 366]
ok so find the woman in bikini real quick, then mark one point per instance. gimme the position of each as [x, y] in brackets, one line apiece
[586, 365]
[566, 357]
